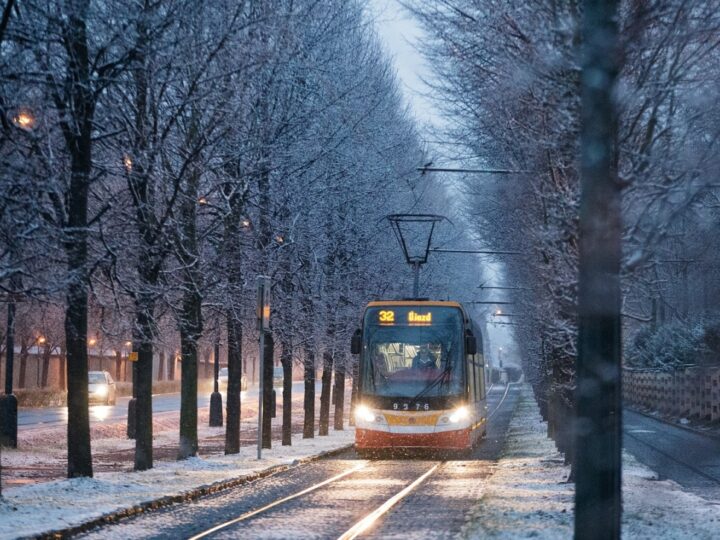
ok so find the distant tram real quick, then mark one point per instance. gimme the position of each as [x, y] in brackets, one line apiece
[421, 378]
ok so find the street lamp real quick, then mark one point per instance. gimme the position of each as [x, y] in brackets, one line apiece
[414, 234]
[23, 119]
[216, 414]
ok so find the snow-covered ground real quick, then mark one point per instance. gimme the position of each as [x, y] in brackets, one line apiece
[31, 510]
[527, 496]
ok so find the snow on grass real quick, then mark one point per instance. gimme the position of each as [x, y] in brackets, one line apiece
[32, 510]
[527, 496]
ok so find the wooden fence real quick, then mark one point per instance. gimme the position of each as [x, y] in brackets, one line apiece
[692, 393]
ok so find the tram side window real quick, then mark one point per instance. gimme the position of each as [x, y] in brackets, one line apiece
[473, 389]
[479, 378]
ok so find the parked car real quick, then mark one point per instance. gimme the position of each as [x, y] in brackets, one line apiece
[223, 380]
[278, 377]
[101, 388]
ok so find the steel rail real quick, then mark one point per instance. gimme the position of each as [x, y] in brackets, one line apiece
[366, 522]
[252, 513]
[507, 389]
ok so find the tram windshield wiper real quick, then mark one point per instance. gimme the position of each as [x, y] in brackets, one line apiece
[437, 380]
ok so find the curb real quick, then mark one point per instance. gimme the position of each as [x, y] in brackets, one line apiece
[187, 496]
[669, 422]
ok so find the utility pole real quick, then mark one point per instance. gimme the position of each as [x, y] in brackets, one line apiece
[598, 394]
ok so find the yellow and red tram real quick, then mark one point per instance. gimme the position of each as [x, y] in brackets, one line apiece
[421, 377]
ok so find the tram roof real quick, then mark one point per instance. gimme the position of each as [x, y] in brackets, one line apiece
[446, 303]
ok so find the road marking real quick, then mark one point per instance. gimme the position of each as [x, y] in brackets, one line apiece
[366, 522]
[252, 513]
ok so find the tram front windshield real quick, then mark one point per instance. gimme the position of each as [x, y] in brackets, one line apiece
[412, 351]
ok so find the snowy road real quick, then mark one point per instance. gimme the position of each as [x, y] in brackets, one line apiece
[690, 459]
[29, 418]
[325, 499]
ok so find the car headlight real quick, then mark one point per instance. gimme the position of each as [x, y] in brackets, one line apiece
[461, 413]
[363, 413]
[101, 390]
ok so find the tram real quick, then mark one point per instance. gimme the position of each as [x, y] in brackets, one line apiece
[421, 378]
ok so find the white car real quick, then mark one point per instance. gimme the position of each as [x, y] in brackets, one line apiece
[278, 375]
[101, 388]
[223, 380]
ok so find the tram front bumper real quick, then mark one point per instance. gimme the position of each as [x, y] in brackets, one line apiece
[369, 439]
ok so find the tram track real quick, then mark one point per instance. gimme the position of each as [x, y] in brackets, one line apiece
[361, 525]
[673, 458]
[357, 528]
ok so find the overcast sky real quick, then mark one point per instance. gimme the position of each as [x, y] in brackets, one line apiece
[400, 34]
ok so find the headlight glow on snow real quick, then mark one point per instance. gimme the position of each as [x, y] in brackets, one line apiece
[101, 390]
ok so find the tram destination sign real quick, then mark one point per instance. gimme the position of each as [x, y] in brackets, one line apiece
[389, 317]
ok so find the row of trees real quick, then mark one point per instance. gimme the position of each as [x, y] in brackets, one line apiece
[509, 77]
[157, 156]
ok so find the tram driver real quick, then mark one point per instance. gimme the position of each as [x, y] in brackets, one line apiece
[380, 365]
[424, 358]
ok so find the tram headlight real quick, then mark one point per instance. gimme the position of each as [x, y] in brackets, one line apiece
[363, 413]
[459, 414]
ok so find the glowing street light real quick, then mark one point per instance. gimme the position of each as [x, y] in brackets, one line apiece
[24, 119]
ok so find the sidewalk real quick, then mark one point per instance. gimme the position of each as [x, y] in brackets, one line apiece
[63, 504]
[527, 496]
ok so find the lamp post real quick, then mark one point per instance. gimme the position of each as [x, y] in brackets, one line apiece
[23, 119]
[216, 414]
[8, 402]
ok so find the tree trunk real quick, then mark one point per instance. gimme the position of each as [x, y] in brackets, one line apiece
[118, 365]
[190, 330]
[599, 436]
[355, 384]
[309, 401]
[286, 360]
[172, 365]
[23, 363]
[325, 393]
[63, 369]
[339, 394]
[206, 363]
[267, 390]
[143, 383]
[45, 365]
[232, 430]
[78, 138]
[161, 365]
